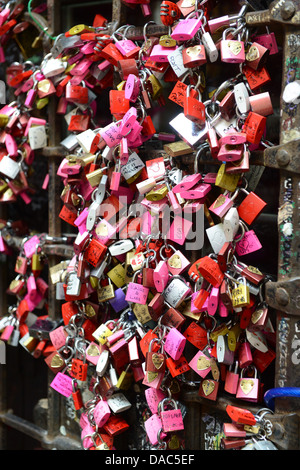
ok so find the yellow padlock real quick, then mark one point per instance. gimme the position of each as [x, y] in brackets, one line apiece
[117, 275]
[225, 180]
[80, 29]
[158, 193]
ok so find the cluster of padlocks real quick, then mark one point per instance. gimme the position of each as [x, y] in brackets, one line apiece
[137, 306]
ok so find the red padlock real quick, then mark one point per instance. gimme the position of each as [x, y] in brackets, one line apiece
[194, 109]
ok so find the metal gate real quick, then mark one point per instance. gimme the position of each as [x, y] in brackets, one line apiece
[50, 423]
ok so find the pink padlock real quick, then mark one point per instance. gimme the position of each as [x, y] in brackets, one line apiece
[187, 182]
[197, 192]
[58, 337]
[174, 343]
[186, 29]
[248, 244]
[201, 364]
[31, 287]
[245, 355]
[261, 104]
[213, 300]
[152, 426]
[132, 87]
[153, 381]
[62, 383]
[154, 397]
[7, 332]
[222, 204]
[230, 153]
[171, 419]
[232, 379]
[160, 53]
[101, 413]
[136, 293]
[161, 276]
[232, 51]
[30, 97]
[111, 134]
[178, 263]
[128, 121]
[11, 145]
[127, 48]
[248, 387]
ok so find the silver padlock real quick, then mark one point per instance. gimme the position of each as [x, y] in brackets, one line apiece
[216, 237]
[132, 167]
[9, 167]
[62, 42]
[176, 291]
[37, 137]
[231, 224]
[118, 403]
[120, 247]
[51, 66]
[73, 284]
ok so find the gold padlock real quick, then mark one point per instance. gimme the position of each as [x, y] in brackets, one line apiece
[125, 379]
[142, 313]
[156, 87]
[3, 120]
[106, 293]
[117, 275]
[94, 177]
[167, 41]
[225, 180]
[37, 262]
[41, 102]
[233, 336]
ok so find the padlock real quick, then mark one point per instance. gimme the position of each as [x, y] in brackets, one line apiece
[76, 395]
[178, 263]
[226, 180]
[248, 387]
[267, 40]
[194, 109]
[176, 291]
[247, 243]
[232, 51]
[254, 127]
[161, 276]
[101, 413]
[209, 389]
[152, 427]
[174, 343]
[232, 379]
[201, 364]
[223, 203]
[261, 103]
[231, 224]
[256, 56]
[256, 78]
[245, 357]
[136, 293]
[240, 295]
[171, 419]
[209, 269]
[155, 361]
[224, 354]
[187, 28]
[194, 56]
[250, 208]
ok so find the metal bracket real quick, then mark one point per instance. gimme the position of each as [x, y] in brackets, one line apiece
[286, 156]
[284, 296]
[280, 11]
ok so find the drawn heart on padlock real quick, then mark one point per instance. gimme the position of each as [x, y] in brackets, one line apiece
[175, 262]
[93, 351]
[252, 54]
[235, 47]
[219, 201]
[203, 363]
[57, 362]
[208, 387]
[247, 385]
[151, 376]
[193, 51]
[158, 360]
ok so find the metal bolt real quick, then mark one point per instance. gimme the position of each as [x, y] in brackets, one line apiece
[282, 157]
[282, 296]
[287, 10]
